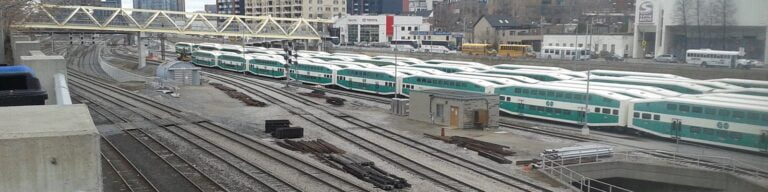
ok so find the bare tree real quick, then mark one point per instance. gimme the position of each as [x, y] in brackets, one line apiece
[682, 10]
[722, 15]
[11, 12]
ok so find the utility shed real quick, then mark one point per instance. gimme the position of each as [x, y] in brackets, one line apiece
[455, 109]
[49, 148]
[178, 73]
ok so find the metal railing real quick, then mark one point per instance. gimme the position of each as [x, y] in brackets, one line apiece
[556, 169]
[716, 163]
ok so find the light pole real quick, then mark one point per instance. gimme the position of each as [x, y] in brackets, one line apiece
[585, 129]
[395, 38]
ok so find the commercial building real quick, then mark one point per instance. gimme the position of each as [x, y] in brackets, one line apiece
[501, 29]
[454, 109]
[661, 29]
[312, 9]
[378, 28]
[376, 7]
[211, 8]
[618, 44]
[168, 5]
[231, 7]
[421, 5]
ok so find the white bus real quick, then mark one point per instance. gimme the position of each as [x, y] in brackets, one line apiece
[712, 58]
[404, 45]
[437, 47]
[564, 53]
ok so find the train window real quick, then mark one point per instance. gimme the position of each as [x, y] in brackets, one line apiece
[722, 134]
[559, 95]
[695, 129]
[558, 111]
[501, 98]
[568, 96]
[526, 91]
[597, 109]
[517, 90]
[549, 110]
[606, 111]
[509, 99]
[566, 112]
[672, 107]
[531, 107]
[534, 92]
[636, 115]
[550, 94]
[696, 109]
[753, 116]
[709, 111]
[578, 97]
[765, 117]
[735, 135]
[708, 131]
[615, 112]
[724, 113]
[738, 114]
[685, 108]
[656, 117]
[646, 116]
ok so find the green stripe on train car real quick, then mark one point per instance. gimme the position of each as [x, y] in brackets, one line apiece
[704, 133]
[231, 58]
[664, 86]
[382, 89]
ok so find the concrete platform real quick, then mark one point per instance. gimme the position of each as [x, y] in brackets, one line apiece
[49, 148]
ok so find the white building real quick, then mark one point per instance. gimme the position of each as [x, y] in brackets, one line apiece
[660, 28]
[421, 5]
[313, 9]
[379, 28]
[617, 44]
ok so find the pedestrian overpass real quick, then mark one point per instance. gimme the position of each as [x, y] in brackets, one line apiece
[87, 18]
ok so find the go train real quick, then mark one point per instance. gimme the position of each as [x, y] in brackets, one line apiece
[656, 104]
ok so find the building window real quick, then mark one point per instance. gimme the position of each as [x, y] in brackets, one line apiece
[439, 110]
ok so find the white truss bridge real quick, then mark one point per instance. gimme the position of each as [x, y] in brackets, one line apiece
[89, 18]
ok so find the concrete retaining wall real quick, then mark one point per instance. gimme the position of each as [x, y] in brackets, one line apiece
[116, 73]
[677, 69]
[667, 174]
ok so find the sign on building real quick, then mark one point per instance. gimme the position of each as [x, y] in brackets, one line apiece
[645, 12]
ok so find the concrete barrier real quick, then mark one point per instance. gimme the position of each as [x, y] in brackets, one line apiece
[22, 48]
[45, 68]
[116, 73]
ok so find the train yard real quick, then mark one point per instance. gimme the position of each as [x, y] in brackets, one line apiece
[155, 142]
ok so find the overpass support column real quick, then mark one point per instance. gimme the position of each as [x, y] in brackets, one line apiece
[142, 51]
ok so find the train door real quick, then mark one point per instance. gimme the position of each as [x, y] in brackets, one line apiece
[676, 128]
[454, 116]
[377, 87]
[580, 116]
[520, 107]
[763, 141]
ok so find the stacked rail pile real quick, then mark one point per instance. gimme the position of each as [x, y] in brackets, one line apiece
[488, 150]
[248, 100]
[360, 167]
[578, 154]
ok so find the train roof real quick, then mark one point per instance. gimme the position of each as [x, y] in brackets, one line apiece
[522, 79]
[463, 68]
[184, 43]
[352, 55]
[433, 61]
[399, 58]
[470, 80]
[696, 87]
[216, 53]
[404, 71]
[326, 65]
[352, 63]
[762, 102]
[503, 81]
[631, 73]
[334, 57]
[573, 74]
[748, 98]
[604, 93]
[660, 91]
[479, 68]
[705, 102]
[712, 84]
[425, 70]
[216, 45]
[636, 93]
[515, 66]
[524, 72]
[743, 81]
[739, 91]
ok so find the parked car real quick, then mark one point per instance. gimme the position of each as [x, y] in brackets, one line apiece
[749, 63]
[614, 57]
[666, 58]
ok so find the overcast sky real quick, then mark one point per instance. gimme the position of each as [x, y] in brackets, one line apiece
[192, 5]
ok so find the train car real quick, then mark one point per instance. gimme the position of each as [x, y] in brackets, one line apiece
[710, 122]
[656, 90]
[538, 75]
[514, 66]
[500, 81]
[745, 91]
[732, 98]
[209, 46]
[352, 55]
[572, 74]
[518, 78]
[446, 68]
[380, 62]
[421, 82]
[205, 58]
[369, 80]
[332, 58]
[233, 62]
[466, 63]
[266, 66]
[744, 82]
[564, 104]
[184, 48]
[233, 49]
[314, 73]
[613, 73]
[681, 87]
[425, 70]
[634, 93]
[407, 60]
[711, 84]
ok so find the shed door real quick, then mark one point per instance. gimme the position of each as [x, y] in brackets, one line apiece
[454, 116]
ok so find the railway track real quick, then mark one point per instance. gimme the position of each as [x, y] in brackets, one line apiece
[215, 140]
[131, 177]
[433, 175]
